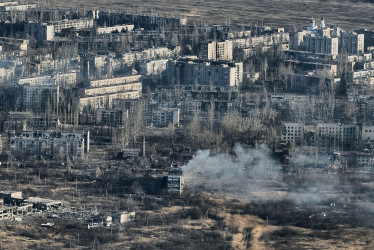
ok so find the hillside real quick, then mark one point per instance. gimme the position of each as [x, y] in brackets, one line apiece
[294, 13]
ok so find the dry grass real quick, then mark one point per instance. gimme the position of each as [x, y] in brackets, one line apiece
[296, 13]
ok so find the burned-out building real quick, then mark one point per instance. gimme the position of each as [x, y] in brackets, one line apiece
[43, 204]
[51, 143]
[175, 184]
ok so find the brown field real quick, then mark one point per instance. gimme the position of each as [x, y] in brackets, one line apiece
[196, 221]
[292, 13]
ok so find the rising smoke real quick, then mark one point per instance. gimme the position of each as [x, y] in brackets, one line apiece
[252, 174]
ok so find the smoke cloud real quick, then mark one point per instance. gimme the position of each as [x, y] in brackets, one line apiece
[252, 174]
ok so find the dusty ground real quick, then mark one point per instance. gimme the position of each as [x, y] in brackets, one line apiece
[288, 13]
[166, 223]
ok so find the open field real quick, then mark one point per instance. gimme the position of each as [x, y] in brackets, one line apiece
[292, 13]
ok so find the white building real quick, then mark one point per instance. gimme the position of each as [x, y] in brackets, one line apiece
[116, 28]
[155, 67]
[101, 93]
[122, 217]
[319, 39]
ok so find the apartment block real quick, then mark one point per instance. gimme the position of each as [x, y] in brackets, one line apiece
[320, 45]
[155, 67]
[368, 37]
[263, 40]
[106, 100]
[111, 117]
[292, 131]
[365, 76]
[150, 54]
[14, 6]
[165, 116]
[352, 43]
[367, 132]
[36, 98]
[341, 132]
[116, 28]
[322, 40]
[51, 143]
[133, 105]
[113, 81]
[189, 71]
[12, 44]
[354, 158]
[77, 24]
[40, 31]
[101, 93]
[111, 89]
[217, 51]
[21, 121]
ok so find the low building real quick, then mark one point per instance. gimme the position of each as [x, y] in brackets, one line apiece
[43, 204]
[354, 158]
[13, 44]
[6, 212]
[175, 184]
[122, 217]
[11, 197]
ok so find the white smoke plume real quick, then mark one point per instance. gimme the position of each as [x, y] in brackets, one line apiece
[252, 174]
